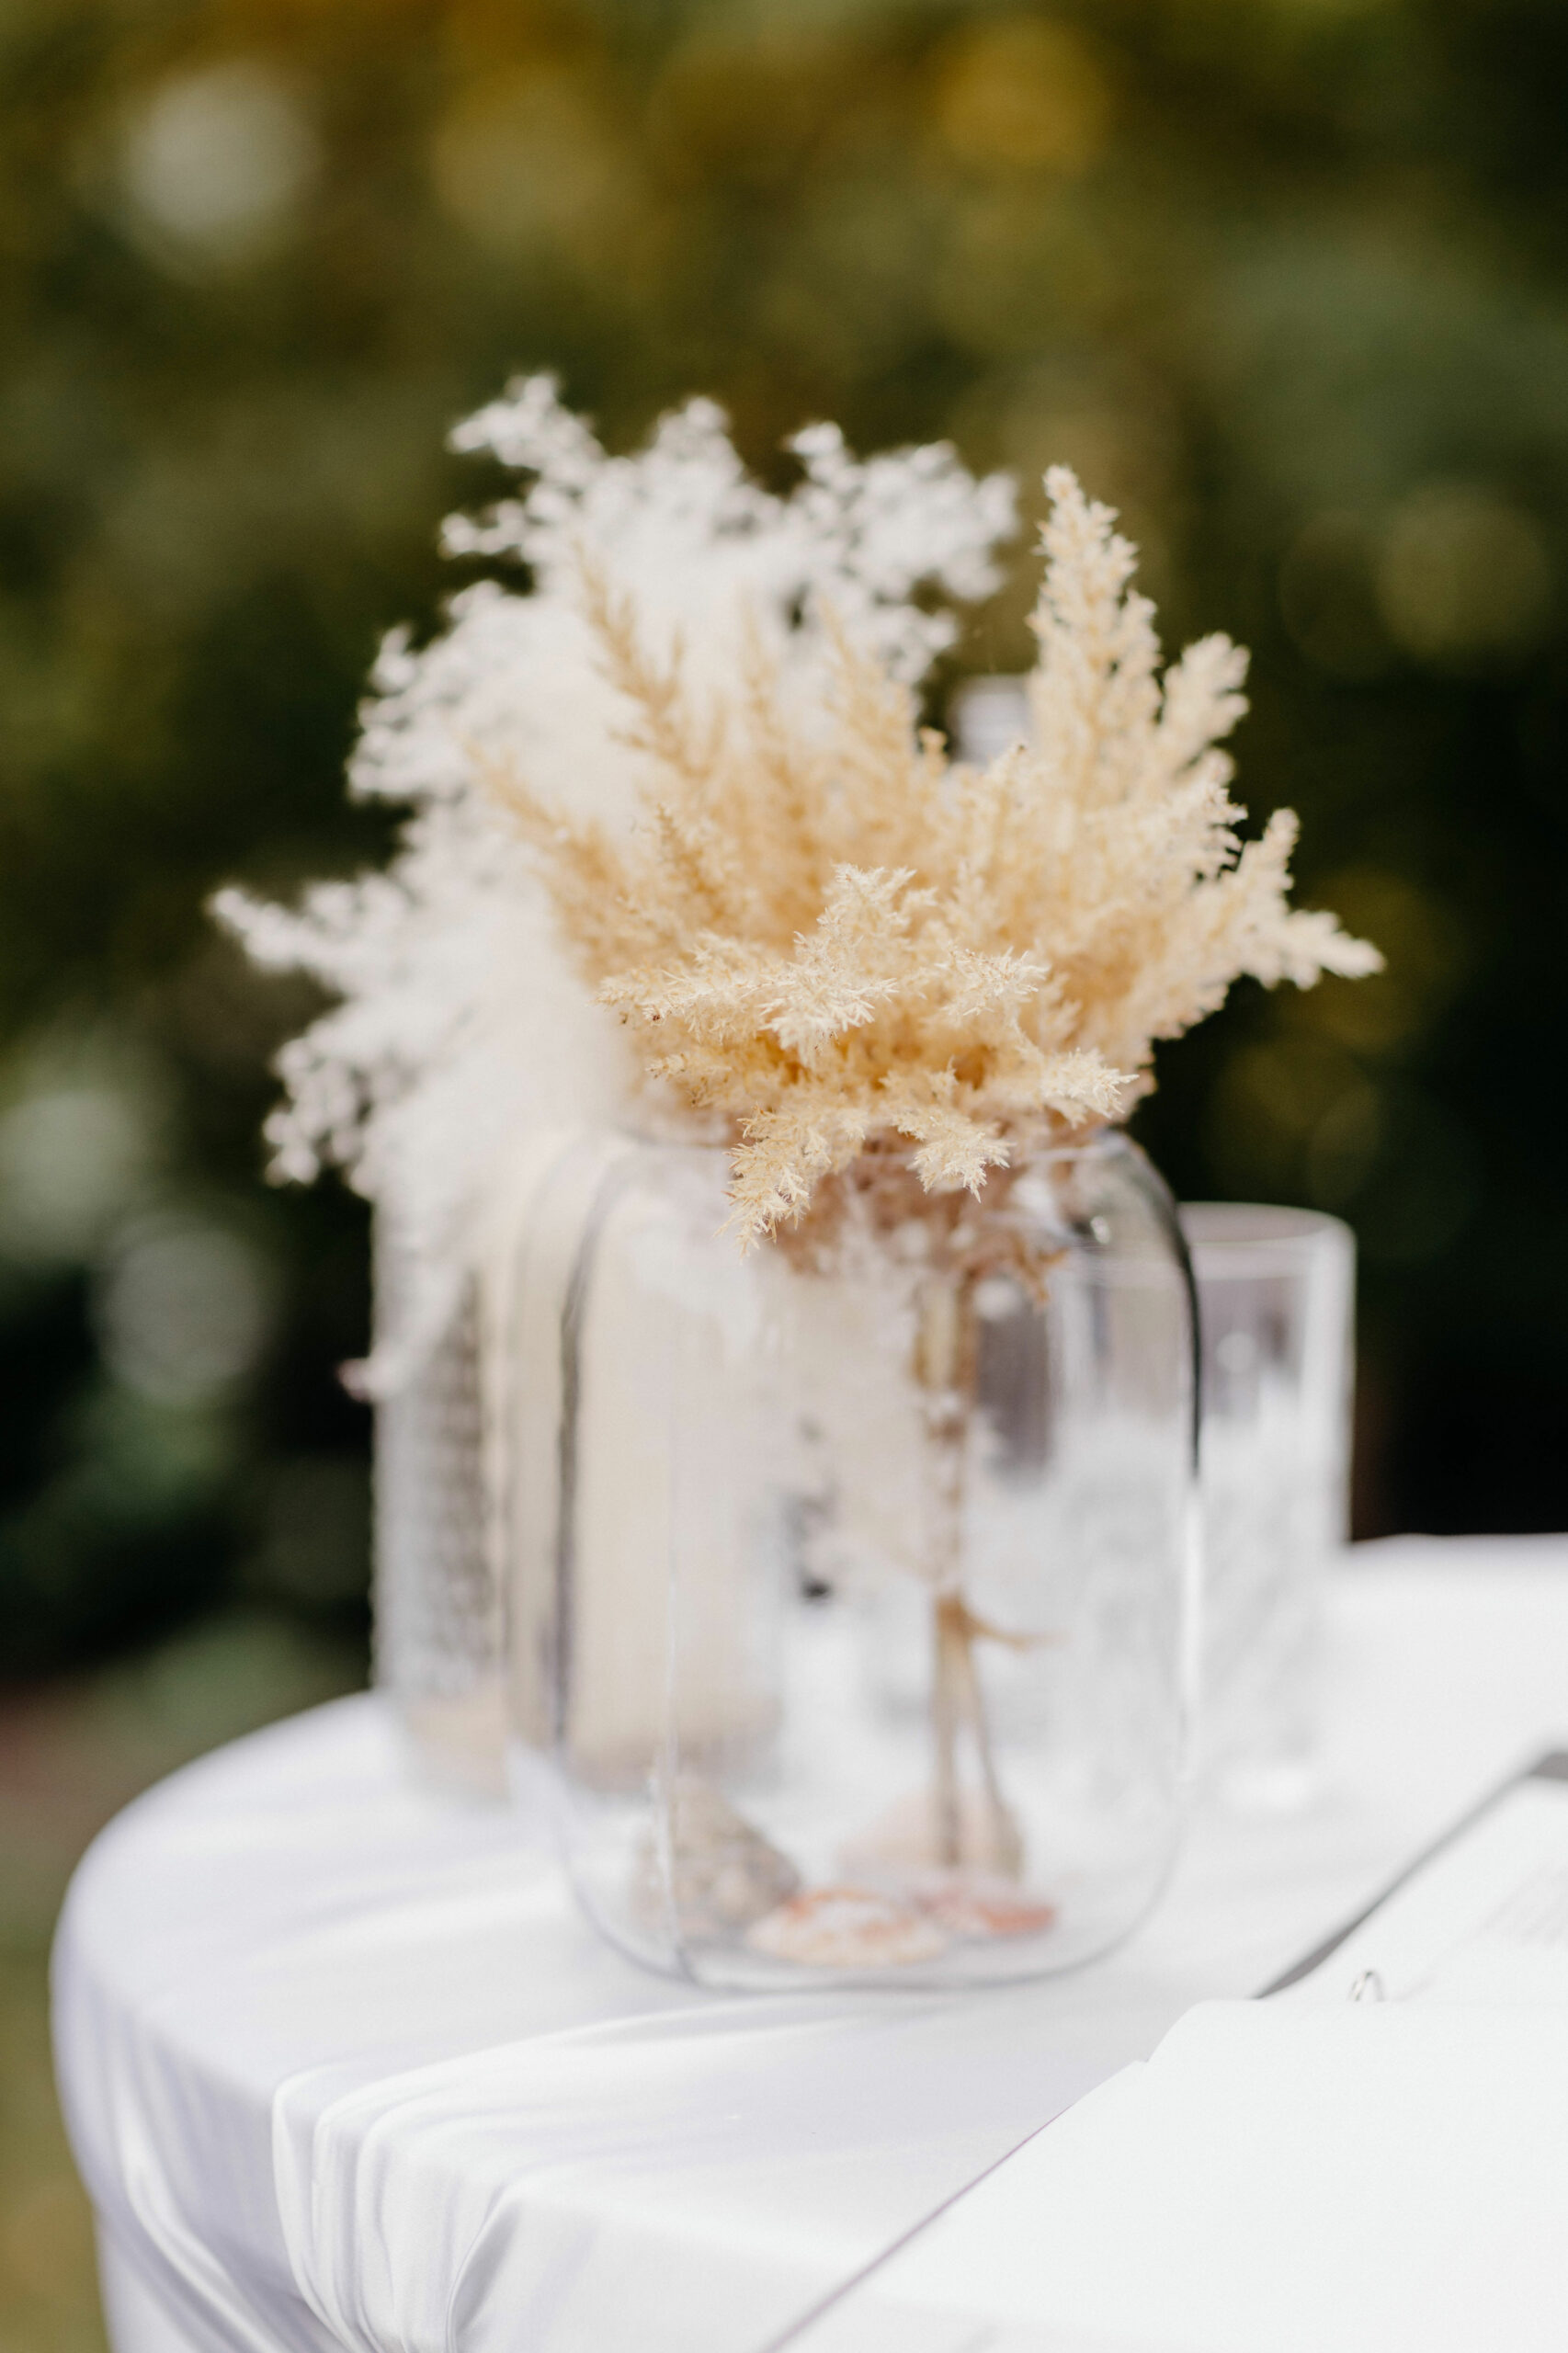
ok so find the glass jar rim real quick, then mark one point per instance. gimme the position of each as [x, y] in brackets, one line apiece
[1230, 1241]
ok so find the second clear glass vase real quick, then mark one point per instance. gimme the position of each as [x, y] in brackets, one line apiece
[858, 1631]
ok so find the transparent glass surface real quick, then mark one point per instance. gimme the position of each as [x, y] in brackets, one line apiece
[856, 1631]
[436, 1614]
[1276, 1292]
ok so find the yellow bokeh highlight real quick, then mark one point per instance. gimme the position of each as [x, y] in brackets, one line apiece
[528, 160]
[1023, 94]
[1425, 961]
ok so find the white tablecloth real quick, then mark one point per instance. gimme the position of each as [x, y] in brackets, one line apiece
[343, 2068]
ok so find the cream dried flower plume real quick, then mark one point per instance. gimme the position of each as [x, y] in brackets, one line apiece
[456, 1026]
[829, 935]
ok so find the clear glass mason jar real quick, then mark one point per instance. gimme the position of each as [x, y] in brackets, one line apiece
[858, 1627]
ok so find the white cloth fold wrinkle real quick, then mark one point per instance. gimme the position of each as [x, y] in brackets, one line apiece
[634, 2137]
[180, 1964]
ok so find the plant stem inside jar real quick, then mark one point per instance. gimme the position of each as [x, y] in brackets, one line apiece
[947, 1367]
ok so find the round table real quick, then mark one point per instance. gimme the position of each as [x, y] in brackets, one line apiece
[343, 2067]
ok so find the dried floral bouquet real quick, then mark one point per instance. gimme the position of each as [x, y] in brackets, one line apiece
[890, 977]
[883, 979]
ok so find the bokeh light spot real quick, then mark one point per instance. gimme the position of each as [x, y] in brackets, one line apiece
[524, 160]
[1344, 1147]
[213, 165]
[70, 1157]
[1023, 94]
[1327, 599]
[1463, 577]
[185, 1308]
[1427, 959]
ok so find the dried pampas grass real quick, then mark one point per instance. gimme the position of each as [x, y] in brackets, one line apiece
[837, 941]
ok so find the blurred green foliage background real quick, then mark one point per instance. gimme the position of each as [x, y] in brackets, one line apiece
[1286, 279]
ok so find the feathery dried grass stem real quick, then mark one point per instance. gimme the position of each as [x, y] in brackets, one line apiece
[958, 1698]
[946, 1367]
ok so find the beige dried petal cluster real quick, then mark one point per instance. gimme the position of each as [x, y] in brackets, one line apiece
[833, 936]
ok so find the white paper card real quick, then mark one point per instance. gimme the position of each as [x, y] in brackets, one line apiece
[1284, 2176]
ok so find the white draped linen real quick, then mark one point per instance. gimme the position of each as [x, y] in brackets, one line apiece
[344, 2069]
